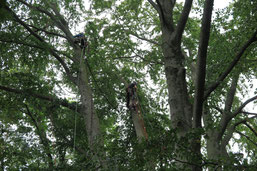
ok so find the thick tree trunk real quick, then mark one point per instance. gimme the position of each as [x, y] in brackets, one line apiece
[86, 97]
[180, 108]
[216, 151]
[88, 111]
[95, 143]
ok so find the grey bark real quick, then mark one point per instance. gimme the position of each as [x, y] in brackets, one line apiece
[87, 108]
[216, 148]
[180, 107]
[139, 126]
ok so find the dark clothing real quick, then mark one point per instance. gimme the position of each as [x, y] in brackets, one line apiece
[131, 96]
[81, 40]
[79, 35]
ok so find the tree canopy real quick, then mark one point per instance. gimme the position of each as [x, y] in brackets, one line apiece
[63, 105]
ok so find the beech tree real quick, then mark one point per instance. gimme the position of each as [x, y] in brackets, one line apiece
[63, 105]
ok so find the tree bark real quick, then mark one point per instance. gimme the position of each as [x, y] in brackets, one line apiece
[139, 125]
[200, 77]
[180, 107]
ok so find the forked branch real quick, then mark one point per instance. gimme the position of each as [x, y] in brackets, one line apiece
[39, 96]
[213, 86]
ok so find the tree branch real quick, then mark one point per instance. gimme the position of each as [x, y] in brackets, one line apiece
[243, 105]
[249, 126]
[66, 31]
[155, 6]
[47, 32]
[62, 102]
[22, 43]
[248, 138]
[183, 20]
[145, 39]
[249, 113]
[34, 46]
[225, 121]
[231, 94]
[213, 86]
[42, 137]
[61, 61]
[230, 132]
[63, 25]
[166, 14]
[218, 109]
[201, 63]
[232, 129]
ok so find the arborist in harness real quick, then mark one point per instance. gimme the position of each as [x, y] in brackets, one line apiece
[81, 40]
[131, 96]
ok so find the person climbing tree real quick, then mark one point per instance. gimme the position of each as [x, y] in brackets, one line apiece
[134, 106]
[81, 40]
[131, 96]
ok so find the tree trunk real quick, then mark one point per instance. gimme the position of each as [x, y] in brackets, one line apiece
[216, 151]
[139, 125]
[180, 108]
[95, 143]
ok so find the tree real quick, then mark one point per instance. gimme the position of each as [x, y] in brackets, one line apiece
[93, 130]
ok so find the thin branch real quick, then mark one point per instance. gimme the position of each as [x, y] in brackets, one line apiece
[249, 126]
[249, 113]
[247, 137]
[22, 43]
[62, 102]
[68, 34]
[183, 20]
[243, 105]
[145, 39]
[36, 8]
[47, 32]
[232, 129]
[225, 120]
[47, 46]
[155, 6]
[218, 109]
[213, 86]
[34, 46]
[63, 25]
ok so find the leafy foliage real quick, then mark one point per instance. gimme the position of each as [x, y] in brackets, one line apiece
[39, 131]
